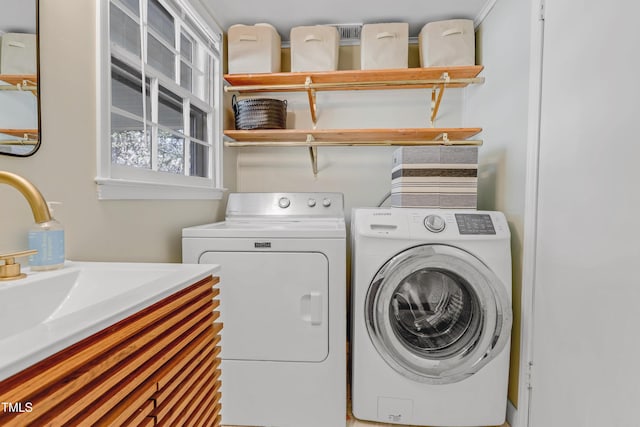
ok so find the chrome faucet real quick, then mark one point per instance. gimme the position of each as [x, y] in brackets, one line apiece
[10, 270]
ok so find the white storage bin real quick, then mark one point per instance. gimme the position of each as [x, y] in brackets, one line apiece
[449, 42]
[314, 48]
[18, 54]
[384, 46]
[253, 49]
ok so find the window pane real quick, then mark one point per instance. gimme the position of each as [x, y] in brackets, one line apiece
[206, 80]
[149, 129]
[170, 110]
[186, 47]
[124, 31]
[126, 88]
[161, 21]
[186, 76]
[198, 121]
[130, 144]
[202, 76]
[170, 152]
[132, 5]
[199, 160]
[149, 114]
[160, 58]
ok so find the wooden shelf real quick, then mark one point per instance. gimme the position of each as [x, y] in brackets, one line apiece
[435, 78]
[19, 132]
[350, 137]
[20, 82]
[403, 78]
[313, 139]
[15, 79]
[27, 136]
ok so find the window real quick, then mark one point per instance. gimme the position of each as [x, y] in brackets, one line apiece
[159, 98]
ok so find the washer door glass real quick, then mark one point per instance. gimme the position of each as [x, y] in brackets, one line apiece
[437, 314]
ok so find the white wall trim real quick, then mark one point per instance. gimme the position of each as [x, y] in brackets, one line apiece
[531, 218]
[151, 184]
[117, 189]
[103, 97]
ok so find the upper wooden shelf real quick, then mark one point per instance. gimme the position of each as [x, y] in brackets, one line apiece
[19, 132]
[402, 78]
[26, 136]
[15, 79]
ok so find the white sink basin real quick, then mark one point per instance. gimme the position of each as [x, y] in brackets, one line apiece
[48, 311]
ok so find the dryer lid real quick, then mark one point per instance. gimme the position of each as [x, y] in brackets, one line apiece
[437, 314]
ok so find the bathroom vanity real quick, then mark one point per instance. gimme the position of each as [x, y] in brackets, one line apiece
[153, 360]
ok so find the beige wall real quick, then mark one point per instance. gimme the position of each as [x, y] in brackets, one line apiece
[363, 174]
[65, 167]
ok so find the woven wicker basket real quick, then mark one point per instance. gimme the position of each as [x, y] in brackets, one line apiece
[260, 113]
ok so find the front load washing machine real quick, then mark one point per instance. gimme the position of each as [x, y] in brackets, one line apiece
[431, 316]
[282, 299]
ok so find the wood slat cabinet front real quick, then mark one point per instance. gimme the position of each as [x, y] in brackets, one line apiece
[160, 366]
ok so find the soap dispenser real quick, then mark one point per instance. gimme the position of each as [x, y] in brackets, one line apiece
[48, 239]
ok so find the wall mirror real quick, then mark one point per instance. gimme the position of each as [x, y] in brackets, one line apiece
[19, 72]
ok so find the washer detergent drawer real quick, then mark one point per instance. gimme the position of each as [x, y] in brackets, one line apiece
[274, 305]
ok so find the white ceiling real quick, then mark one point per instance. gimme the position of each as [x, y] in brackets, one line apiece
[284, 14]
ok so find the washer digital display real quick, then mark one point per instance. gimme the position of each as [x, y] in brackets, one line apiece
[475, 224]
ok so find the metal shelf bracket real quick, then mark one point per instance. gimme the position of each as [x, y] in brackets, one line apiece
[24, 85]
[311, 94]
[313, 154]
[444, 138]
[436, 97]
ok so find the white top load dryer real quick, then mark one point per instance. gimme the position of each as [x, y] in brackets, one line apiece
[283, 306]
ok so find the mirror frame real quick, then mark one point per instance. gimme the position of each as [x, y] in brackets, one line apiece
[39, 100]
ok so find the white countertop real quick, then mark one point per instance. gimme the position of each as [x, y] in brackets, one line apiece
[49, 311]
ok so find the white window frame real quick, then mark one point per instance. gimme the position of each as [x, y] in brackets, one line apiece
[116, 182]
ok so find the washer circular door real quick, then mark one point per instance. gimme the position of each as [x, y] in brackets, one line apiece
[437, 314]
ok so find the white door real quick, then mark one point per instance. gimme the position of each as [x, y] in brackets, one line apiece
[274, 305]
[585, 369]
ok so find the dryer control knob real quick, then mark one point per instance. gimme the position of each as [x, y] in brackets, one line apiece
[434, 223]
[284, 202]
[326, 203]
[311, 202]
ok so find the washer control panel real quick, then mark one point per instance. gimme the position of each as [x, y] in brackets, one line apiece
[430, 225]
[434, 223]
[475, 223]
